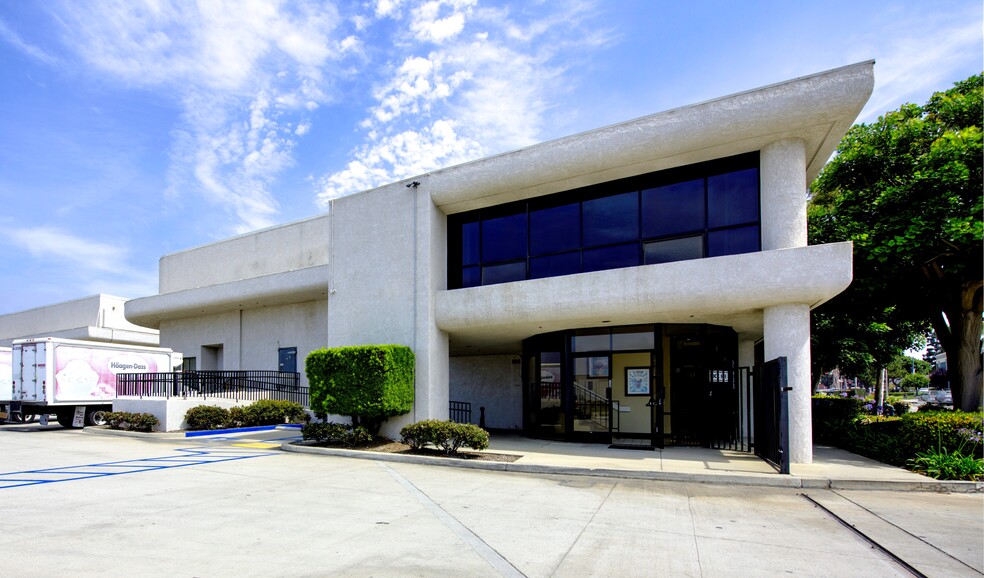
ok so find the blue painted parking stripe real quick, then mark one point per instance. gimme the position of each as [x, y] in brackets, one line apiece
[191, 457]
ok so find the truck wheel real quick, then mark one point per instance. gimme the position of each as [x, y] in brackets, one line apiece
[95, 417]
[65, 418]
[28, 417]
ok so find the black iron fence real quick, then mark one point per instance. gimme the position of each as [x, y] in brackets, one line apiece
[459, 411]
[235, 385]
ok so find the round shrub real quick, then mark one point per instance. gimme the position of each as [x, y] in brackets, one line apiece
[418, 435]
[447, 435]
[325, 432]
[336, 433]
[126, 421]
[204, 417]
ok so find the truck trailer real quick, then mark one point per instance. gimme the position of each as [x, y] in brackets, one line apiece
[76, 380]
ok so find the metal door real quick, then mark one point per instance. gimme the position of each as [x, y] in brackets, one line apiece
[772, 415]
[288, 359]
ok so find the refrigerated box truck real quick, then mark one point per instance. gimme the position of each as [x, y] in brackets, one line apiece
[6, 375]
[76, 380]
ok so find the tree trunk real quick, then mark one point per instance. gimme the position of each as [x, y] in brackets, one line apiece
[967, 369]
[962, 342]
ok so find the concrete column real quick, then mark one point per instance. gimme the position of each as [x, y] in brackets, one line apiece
[746, 358]
[787, 334]
[746, 351]
[430, 343]
[783, 195]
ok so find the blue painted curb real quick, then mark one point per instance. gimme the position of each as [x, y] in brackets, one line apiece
[212, 432]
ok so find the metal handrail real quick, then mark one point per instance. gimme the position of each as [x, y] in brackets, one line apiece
[593, 399]
[238, 385]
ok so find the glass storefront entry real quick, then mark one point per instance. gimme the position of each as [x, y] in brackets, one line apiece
[655, 383]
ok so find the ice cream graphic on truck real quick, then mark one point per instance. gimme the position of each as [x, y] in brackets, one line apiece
[84, 374]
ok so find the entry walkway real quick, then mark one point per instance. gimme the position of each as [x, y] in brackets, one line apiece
[832, 468]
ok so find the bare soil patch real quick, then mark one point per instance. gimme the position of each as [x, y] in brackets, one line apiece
[394, 447]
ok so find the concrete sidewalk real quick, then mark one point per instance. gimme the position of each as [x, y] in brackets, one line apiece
[832, 468]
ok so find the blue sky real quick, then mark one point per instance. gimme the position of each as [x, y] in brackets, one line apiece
[130, 129]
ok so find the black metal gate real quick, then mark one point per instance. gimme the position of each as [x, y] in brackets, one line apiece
[730, 395]
[771, 421]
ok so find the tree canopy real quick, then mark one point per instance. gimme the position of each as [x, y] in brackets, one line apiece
[907, 190]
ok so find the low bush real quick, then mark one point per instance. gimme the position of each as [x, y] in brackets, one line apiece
[923, 432]
[447, 435]
[204, 417]
[942, 444]
[126, 421]
[237, 417]
[272, 412]
[336, 433]
[948, 465]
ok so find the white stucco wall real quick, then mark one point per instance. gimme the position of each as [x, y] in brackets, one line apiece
[94, 318]
[170, 412]
[492, 381]
[297, 245]
[250, 339]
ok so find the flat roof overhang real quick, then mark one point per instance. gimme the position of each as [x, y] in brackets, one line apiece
[818, 109]
[296, 286]
[731, 291]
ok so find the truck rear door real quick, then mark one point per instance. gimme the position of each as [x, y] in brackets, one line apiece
[29, 372]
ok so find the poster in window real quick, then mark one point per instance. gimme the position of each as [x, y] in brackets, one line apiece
[637, 381]
[598, 366]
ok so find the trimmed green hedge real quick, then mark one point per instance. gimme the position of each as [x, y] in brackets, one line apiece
[937, 430]
[260, 412]
[834, 418]
[368, 383]
[940, 443]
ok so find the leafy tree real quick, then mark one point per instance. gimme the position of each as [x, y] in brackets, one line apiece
[907, 190]
[903, 365]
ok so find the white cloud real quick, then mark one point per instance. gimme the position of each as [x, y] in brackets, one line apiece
[11, 37]
[247, 74]
[920, 58]
[484, 88]
[399, 156]
[50, 242]
[99, 267]
[431, 21]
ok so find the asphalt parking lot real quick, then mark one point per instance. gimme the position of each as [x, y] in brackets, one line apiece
[86, 505]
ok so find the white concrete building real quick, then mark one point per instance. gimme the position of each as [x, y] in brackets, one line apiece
[636, 267]
[94, 318]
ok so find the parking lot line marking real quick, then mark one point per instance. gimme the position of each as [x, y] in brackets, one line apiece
[191, 457]
[477, 544]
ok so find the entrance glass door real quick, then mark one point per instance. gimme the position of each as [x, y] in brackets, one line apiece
[592, 394]
[545, 401]
[633, 389]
